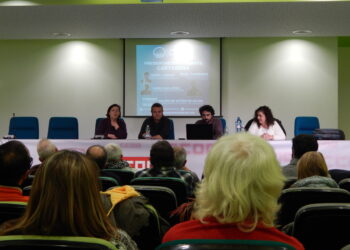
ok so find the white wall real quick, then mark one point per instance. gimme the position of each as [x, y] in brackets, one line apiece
[47, 78]
[293, 77]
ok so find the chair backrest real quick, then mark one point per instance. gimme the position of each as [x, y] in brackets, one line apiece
[24, 127]
[98, 120]
[176, 184]
[63, 128]
[345, 184]
[292, 199]
[329, 134]
[204, 244]
[248, 124]
[16, 242]
[171, 135]
[305, 125]
[124, 176]
[163, 199]
[108, 182]
[223, 123]
[323, 226]
[11, 210]
[339, 174]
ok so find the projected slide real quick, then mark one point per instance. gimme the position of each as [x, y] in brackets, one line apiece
[182, 75]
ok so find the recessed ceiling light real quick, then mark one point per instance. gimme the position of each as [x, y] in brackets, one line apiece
[179, 33]
[61, 34]
[302, 32]
[17, 3]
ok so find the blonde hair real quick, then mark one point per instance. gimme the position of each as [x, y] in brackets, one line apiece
[242, 182]
[65, 200]
[114, 152]
[310, 164]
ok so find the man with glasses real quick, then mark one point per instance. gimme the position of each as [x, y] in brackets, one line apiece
[15, 161]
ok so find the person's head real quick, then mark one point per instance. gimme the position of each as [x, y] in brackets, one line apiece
[179, 157]
[310, 164]
[302, 144]
[15, 161]
[157, 111]
[242, 182]
[162, 154]
[65, 200]
[98, 154]
[45, 149]
[263, 115]
[114, 152]
[207, 112]
[113, 112]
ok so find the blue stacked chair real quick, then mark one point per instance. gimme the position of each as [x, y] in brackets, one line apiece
[63, 128]
[305, 125]
[25, 127]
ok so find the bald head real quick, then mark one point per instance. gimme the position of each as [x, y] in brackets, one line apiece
[98, 154]
[45, 149]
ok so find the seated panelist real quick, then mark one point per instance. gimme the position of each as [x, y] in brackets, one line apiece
[207, 113]
[265, 125]
[113, 127]
[158, 124]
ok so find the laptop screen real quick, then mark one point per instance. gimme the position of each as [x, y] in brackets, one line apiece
[199, 131]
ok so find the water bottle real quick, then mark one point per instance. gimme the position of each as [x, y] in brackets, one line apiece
[238, 124]
[148, 132]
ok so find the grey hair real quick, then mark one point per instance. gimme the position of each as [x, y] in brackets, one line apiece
[180, 156]
[114, 151]
[45, 149]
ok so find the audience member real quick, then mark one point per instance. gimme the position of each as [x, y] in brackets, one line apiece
[265, 125]
[65, 200]
[237, 199]
[158, 124]
[45, 149]
[162, 161]
[313, 172]
[98, 154]
[131, 212]
[180, 159]
[115, 157]
[15, 161]
[207, 113]
[113, 127]
[301, 144]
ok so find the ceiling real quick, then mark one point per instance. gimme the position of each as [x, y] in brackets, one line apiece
[274, 19]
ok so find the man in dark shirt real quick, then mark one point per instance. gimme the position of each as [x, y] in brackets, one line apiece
[158, 124]
[162, 161]
[207, 113]
[301, 144]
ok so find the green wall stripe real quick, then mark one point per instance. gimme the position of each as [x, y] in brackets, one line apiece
[344, 41]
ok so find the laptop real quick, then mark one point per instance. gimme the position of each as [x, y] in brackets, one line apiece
[199, 131]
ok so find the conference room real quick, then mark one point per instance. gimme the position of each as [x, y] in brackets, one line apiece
[74, 64]
[71, 59]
